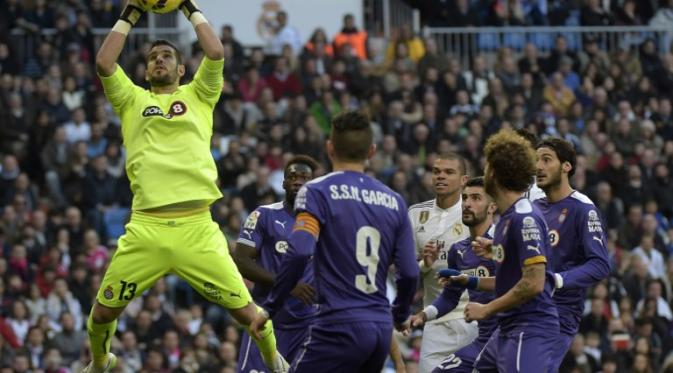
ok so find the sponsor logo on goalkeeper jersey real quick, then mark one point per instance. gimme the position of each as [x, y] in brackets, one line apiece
[177, 108]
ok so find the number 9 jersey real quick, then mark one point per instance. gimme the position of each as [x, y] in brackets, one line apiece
[364, 228]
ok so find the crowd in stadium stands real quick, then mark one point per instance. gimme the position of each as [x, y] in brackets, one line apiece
[64, 197]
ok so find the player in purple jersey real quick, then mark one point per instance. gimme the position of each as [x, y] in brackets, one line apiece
[478, 209]
[579, 256]
[355, 228]
[260, 247]
[527, 317]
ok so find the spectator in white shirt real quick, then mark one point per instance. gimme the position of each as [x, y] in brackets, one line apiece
[285, 34]
[654, 292]
[78, 129]
[653, 258]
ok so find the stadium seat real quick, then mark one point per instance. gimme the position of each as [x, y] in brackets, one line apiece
[488, 41]
[115, 219]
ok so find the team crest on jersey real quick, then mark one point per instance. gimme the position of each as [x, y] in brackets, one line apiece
[251, 221]
[423, 218]
[554, 237]
[562, 217]
[458, 229]
[177, 108]
[282, 246]
[498, 253]
[108, 292]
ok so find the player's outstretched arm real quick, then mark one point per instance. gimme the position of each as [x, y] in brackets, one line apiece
[108, 54]
[529, 286]
[210, 43]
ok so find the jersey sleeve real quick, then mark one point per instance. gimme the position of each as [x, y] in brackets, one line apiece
[596, 266]
[119, 89]
[529, 233]
[251, 234]
[208, 80]
[310, 200]
[404, 258]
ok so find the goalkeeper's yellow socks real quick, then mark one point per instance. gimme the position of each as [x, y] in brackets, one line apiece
[100, 336]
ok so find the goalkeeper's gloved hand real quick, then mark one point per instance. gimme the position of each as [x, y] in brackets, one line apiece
[132, 13]
[189, 7]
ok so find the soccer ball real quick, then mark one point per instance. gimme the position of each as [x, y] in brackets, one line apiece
[160, 6]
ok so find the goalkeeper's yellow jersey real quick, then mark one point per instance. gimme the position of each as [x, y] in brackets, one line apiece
[167, 137]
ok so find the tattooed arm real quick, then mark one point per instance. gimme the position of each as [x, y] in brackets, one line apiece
[529, 286]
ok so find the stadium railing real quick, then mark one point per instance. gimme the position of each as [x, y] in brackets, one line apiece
[25, 43]
[382, 16]
[469, 41]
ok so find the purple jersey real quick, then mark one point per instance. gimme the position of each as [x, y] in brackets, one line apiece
[521, 239]
[462, 257]
[578, 253]
[364, 228]
[267, 229]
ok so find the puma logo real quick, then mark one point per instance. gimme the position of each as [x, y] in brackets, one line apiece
[534, 248]
[281, 223]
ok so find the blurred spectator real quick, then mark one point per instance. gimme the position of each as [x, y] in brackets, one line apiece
[350, 35]
[69, 339]
[281, 34]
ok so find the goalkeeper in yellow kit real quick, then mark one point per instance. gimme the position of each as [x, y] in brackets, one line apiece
[167, 131]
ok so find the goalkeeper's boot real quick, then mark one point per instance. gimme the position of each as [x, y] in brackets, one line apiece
[109, 364]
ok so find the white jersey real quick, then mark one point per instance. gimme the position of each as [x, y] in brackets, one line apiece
[429, 223]
[534, 193]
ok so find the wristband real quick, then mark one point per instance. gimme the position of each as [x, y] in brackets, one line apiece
[558, 279]
[448, 272]
[122, 27]
[472, 283]
[430, 312]
[197, 19]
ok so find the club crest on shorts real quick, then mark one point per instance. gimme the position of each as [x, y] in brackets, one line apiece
[108, 293]
[423, 218]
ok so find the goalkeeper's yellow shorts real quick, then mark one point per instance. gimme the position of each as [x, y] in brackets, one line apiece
[192, 247]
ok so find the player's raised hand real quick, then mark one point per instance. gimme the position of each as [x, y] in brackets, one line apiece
[132, 12]
[430, 253]
[476, 311]
[418, 320]
[304, 292]
[189, 7]
[483, 247]
[258, 324]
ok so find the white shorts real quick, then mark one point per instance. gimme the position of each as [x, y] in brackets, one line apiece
[441, 339]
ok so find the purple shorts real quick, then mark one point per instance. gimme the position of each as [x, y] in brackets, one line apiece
[462, 361]
[344, 347]
[560, 349]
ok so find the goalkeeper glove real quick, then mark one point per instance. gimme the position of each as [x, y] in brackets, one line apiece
[188, 7]
[132, 13]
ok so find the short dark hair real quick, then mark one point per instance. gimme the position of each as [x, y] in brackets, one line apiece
[178, 55]
[528, 135]
[453, 156]
[512, 160]
[475, 182]
[351, 136]
[302, 159]
[564, 151]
